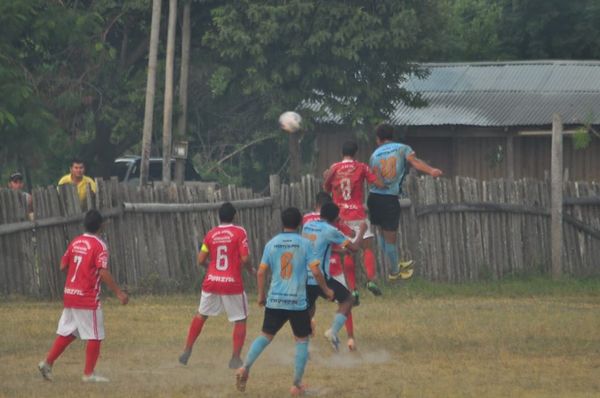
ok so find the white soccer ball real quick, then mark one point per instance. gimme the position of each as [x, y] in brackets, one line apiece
[290, 121]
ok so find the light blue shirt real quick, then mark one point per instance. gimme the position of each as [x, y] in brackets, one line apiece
[288, 255]
[390, 159]
[322, 235]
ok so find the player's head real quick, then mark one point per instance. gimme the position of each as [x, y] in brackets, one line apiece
[226, 212]
[92, 222]
[330, 212]
[322, 198]
[349, 148]
[384, 132]
[291, 218]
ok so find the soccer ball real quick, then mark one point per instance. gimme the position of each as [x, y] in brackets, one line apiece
[290, 121]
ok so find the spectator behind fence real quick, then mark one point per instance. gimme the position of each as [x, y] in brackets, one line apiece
[15, 183]
[77, 178]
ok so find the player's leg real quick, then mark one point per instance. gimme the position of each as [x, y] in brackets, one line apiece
[312, 294]
[350, 331]
[370, 264]
[65, 335]
[345, 301]
[90, 325]
[389, 226]
[236, 306]
[273, 320]
[210, 305]
[300, 322]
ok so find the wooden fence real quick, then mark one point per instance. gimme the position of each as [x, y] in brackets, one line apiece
[455, 230]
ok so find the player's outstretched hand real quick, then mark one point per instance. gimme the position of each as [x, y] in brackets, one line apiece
[436, 172]
[261, 300]
[330, 294]
[123, 297]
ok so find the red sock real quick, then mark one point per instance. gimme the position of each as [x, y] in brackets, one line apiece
[92, 352]
[370, 264]
[350, 271]
[194, 332]
[239, 335]
[349, 325]
[59, 345]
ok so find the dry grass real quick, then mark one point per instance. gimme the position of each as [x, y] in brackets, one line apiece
[419, 341]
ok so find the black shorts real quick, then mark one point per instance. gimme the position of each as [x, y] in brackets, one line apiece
[340, 293]
[276, 318]
[384, 211]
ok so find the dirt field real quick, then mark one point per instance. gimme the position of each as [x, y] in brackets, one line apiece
[520, 339]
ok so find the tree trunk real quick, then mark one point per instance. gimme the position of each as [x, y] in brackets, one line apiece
[168, 105]
[183, 87]
[556, 196]
[294, 151]
[150, 88]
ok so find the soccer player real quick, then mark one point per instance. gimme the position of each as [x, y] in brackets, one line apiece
[287, 256]
[346, 180]
[86, 264]
[323, 235]
[222, 288]
[335, 261]
[389, 160]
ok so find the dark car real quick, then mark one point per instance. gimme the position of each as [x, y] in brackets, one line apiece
[127, 169]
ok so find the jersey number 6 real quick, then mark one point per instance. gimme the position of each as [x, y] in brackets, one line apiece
[222, 259]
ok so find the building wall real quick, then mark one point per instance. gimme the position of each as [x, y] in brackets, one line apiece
[478, 153]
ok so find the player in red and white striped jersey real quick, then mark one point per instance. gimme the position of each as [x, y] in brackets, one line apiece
[222, 289]
[346, 180]
[86, 265]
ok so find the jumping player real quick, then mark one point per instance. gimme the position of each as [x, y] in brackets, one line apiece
[287, 256]
[222, 289]
[335, 261]
[346, 181]
[323, 235]
[86, 264]
[389, 160]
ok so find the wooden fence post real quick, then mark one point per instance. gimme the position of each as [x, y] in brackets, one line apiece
[275, 190]
[556, 195]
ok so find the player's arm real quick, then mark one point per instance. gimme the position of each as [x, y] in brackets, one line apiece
[261, 276]
[108, 280]
[422, 166]
[246, 263]
[316, 271]
[374, 177]
[203, 255]
[328, 180]
[244, 251]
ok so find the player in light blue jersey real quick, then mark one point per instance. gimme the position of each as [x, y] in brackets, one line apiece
[323, 236]
[390, 161]
[288, 256]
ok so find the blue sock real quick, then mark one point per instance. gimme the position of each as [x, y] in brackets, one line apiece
[391, 251]
[257, 347]
[338, 322]
[301, 358]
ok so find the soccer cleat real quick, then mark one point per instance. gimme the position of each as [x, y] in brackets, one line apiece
[373, 288]
[94, 378]
[46, 370]
[241, 378]
[333, 340]
[406, 264]
[235, 363]
[351, 344]
[185, 357]
[356, 298]
[297, 390]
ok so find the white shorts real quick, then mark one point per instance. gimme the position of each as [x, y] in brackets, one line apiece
[235, 305]
[355, 226]
[341, 279]
[85, 324]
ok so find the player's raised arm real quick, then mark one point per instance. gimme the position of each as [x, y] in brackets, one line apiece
[108, 280]
[422, 166]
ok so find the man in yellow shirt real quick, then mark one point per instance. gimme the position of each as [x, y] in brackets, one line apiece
[77, 178]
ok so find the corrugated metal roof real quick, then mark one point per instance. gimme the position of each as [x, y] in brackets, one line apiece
[505, 94]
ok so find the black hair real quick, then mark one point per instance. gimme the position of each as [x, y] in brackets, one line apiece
[329, 212]
[322, 198]
[92, 221]
[226, 212]
[349, 148]
[78, 160]
[291, 218]
[384, 132]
